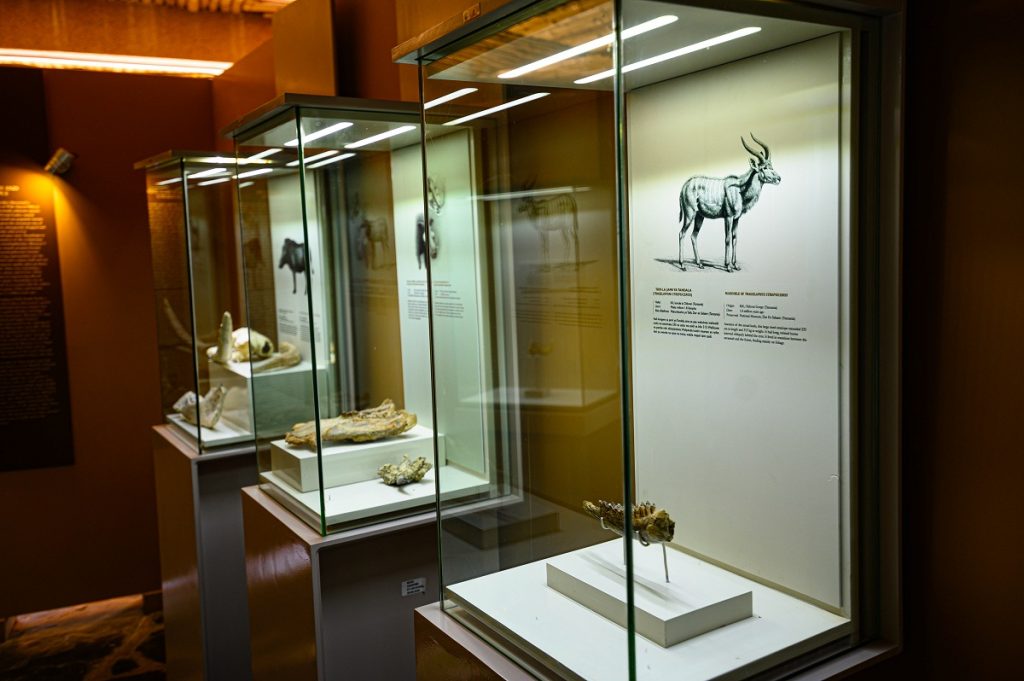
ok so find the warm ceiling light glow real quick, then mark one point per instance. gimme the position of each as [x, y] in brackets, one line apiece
[314, 157]
[381, 136]
[254, 173]
[500, 107]
[448, 97]
[263, 154]
[332, 160]
[594, 44]
[657, 59]
[208, 173]
[330, 129]
[217, 181]
[50, 59]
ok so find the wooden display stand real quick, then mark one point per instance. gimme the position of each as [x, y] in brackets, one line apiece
[339, 606]
[202, 557]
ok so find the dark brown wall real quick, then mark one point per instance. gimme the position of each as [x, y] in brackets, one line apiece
[245, 86]
[963, 467]
[88, 531]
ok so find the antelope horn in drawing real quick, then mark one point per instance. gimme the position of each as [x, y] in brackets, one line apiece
[767, 151]
[758, 154]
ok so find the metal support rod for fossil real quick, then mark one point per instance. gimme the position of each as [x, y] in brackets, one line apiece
[650, 524]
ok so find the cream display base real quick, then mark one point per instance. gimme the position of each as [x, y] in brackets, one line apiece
[584, 645]
[349, 462]
[224, 433]
[360, 500]
[694, 603]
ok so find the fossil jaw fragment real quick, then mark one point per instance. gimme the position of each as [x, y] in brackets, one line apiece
[405, 472]
[207, 412]
[651, 524]
[249, 343]
[357, 426]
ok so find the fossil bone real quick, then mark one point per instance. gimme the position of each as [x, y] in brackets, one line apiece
[250, 343]
[207, 412]
[221, 353]
[358, 426]
[405, 472]
[287, 356]
[651, 524]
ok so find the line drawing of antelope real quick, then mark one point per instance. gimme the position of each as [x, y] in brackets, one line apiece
[370, 232]
[427, 236]
[550, 214]
[293, 254]
[724, 197]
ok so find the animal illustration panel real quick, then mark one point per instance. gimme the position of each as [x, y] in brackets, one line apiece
[726, 198]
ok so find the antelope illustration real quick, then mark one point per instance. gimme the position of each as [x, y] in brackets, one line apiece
[557, 213]
[724, 197]
[372, 235]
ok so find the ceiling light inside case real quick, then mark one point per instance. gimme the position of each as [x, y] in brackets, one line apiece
[254, 173]
[332, 160]
[448, 97]
[657, 59]
[594, 44]
[500, 107]
[329, 130]
[314, 157]
[217, 181]
[381, 136]
[208, 173]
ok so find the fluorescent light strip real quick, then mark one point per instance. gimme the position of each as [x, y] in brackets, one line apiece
[505, 196]
[448, 97]
[208, 173]
[263, 154]
[217, 181]
[381, 136]
[332, 160]
[329, 130]
[594, 44]
[254, 173]
[696, 47]
[170, 181]
[500, 107]
[111, 62]
[214, 159]
[314, 157]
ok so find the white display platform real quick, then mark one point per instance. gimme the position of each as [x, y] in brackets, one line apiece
[224, 433]
[694, 603]
[369, 498]
[350, 462]
[584, 645]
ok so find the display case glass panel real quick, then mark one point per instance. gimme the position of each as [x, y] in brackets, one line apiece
[336, 277]
[198, 283]
[660, 222]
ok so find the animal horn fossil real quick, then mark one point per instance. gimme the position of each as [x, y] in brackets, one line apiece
[759, 154]
[767, 151]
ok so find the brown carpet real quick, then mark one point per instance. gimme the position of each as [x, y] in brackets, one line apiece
[114, 639]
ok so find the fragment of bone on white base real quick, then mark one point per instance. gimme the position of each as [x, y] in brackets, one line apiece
[207, 412]
[367, 425]
[222, 352]
[287, 356]
[405, 472]
[248, 343]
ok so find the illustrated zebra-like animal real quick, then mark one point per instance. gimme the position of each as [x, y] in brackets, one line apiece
[724, 197]
[554, 214]
[370, 233]
[427, 240]
[293, 254]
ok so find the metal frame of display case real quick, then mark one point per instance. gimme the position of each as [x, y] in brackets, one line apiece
[876, 242]
[199, 511]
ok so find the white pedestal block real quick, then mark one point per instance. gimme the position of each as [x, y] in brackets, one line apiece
[693, 603]
[224, 433]
[350, 462]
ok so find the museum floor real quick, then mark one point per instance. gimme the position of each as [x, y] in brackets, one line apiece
[121, 638]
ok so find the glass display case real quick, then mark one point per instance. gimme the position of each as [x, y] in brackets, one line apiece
[335, 259]
[197, 278]
[677, 432]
